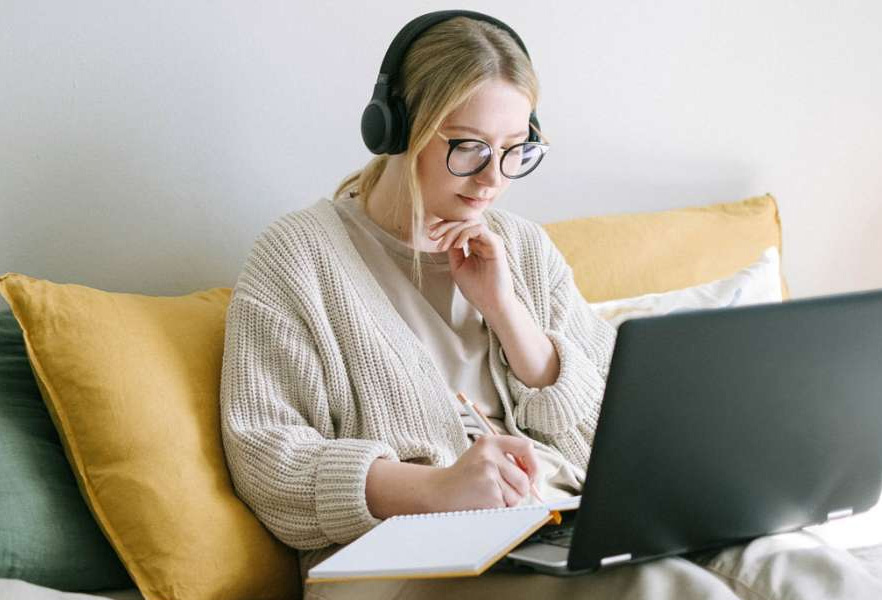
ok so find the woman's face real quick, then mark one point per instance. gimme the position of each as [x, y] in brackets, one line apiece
[497, 113]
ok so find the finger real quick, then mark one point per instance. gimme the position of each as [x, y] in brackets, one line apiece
[488, 473]
[481, 241]
[514, 477]
[438, 229]
[520, 448]
[530, 463]
[510, 495]
[468, 233]
[441, 227]
[441, 223]
[481, 247]
[449, 237]
[450, 232]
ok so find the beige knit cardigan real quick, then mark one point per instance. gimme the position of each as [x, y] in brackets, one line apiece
[321, 376]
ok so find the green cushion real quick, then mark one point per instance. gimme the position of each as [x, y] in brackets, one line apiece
[47, 534]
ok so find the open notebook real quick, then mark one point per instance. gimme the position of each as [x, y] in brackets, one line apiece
[448, 544]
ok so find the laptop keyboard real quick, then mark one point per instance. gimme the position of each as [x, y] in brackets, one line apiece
[561, 535]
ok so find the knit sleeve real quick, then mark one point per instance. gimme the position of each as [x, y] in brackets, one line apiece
[305, 486]
[564, 414]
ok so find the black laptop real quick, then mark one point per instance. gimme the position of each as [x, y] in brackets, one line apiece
[722, 425]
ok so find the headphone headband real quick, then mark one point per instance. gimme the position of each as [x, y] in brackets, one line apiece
[410, 32]
[384, 123]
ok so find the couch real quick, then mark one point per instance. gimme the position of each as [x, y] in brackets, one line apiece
[110, 452]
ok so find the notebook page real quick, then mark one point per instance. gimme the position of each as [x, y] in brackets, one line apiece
[435, 544]
[565, 503]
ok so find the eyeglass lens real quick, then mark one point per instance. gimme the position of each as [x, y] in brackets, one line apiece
[471, 156]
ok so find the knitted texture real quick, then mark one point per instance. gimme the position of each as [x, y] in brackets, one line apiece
[321, 376]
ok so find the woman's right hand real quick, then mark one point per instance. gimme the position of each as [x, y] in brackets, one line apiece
[484, 477]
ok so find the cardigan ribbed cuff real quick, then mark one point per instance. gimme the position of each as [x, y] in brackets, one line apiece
[575, 396]
[341, 475]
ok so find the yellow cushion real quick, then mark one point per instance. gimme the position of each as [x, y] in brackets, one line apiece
[629, 255]
[132, 384]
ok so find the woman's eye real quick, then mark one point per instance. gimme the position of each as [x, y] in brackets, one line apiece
[469, 147]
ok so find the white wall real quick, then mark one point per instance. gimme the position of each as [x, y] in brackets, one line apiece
[144, 145]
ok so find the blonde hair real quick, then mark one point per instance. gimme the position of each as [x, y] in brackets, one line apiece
[441, 70]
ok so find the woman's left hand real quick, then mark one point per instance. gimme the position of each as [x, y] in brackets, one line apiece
[483, 276]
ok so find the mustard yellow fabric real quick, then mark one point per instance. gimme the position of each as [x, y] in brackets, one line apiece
[132, 384]
[627, 255]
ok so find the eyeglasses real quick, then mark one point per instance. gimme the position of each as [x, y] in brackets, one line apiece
[469, 156]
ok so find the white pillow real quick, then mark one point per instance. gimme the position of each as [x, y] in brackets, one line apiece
[759, 283]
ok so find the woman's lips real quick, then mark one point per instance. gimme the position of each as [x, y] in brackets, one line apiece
[472, 201]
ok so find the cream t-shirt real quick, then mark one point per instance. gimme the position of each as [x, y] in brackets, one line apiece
[451, 329]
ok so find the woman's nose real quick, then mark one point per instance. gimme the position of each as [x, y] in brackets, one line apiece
[490, 175]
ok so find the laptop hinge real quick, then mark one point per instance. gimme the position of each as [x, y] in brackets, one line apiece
[611, 560]
[839, 514]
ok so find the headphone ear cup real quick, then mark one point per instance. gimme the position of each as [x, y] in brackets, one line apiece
[375, 126]
[534, 120]
[400, 128]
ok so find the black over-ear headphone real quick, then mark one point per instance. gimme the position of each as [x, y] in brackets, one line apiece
[384, 125]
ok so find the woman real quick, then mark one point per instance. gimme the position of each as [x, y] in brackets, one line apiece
[355, 323]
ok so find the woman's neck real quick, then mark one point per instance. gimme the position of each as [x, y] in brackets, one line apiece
[389, 206]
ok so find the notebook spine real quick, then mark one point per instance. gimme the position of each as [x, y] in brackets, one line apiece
[455, 513]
